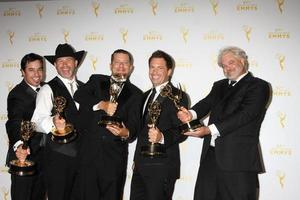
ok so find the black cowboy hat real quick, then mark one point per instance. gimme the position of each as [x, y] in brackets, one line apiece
[65, 50]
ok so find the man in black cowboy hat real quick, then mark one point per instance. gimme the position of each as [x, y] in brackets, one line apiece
[60, 159]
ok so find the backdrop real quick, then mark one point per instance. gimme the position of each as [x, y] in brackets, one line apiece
[192, 31]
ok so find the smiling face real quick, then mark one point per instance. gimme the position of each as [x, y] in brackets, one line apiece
[66, 67]
[33, 73]
[159, 73]
[233, 66]
[121, 65]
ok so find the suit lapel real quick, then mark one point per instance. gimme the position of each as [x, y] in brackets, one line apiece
[231, 91]
[160, 99]
[28, 89]
[229, 94]
[104, 89]
[125, 93]
[62, 85]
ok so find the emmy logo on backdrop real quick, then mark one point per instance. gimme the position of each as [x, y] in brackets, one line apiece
[124, 33]
[282, 118]
[66, 35]
[26, 167]
[185, 34]
[280, 4]
[281, 177]
[11, 36]
[94, 61]
[176, 98]
[214, 4]
[154, 6]
[69, 133]
[248, 31]
[96, 6]
[9, 86]
[153, 149]
[40, 9]
[281, 59]
[115, 88]
[5, 193]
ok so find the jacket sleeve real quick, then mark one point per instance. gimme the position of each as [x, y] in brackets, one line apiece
[15, 110]
[172, 135]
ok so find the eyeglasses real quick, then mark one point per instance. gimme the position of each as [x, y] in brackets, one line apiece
[121, 63]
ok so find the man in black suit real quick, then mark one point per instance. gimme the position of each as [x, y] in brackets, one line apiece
[20, 106]
[154, 176]
[60, 159]
[230, 160]
[104, 150]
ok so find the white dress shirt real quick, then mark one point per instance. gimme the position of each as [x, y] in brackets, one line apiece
[44, 104]
[157, 88]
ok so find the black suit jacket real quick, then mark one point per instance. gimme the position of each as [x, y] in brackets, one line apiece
[20, 106]
[98, 139]
[237, 113]
[167, 123]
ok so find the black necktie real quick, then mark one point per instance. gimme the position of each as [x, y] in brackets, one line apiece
[231, 83]
[37, 89]
[150, 99]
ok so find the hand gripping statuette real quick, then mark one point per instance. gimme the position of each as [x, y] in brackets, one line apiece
[69, 133]
[26, 167]
[176, 98]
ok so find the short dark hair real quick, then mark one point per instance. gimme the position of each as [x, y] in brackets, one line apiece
[161, 54]
[124, 52]
[30, 58]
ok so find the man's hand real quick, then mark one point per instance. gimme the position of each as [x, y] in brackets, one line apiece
[109, 107]
[184, 115]
[22, 153]
[117, 131]
[59, 123]
[154, 135]
[199, 132]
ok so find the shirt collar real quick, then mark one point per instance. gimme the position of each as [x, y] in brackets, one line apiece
[33, 87]
[239, 78]
[65, 80]
[159, 87]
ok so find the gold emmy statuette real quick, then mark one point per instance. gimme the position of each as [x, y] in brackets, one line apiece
[69, 133]
[176, 98]
[27, 167]
[153, 149]
[114, 90]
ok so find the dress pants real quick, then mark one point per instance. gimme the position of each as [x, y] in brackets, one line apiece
[30, 187]
[27, 187]
[100, 178]
[151, 187]
[60, 174]
[215, 184]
